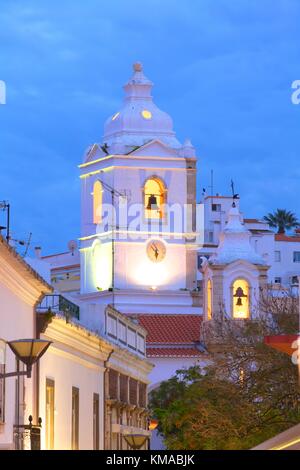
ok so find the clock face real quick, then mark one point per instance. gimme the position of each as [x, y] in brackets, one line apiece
[156, 251]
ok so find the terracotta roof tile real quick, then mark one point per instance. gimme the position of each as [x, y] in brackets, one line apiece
[254, 221]
[281, 237]
[173, 352]
[171, 329]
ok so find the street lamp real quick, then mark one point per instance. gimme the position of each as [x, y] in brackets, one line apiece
[135, 441]
[153, 423]
[28, 351]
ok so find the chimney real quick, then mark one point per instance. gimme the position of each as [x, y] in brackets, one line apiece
[38, 252]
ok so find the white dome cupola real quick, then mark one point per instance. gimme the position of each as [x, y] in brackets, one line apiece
[235, 242]
[139, 120]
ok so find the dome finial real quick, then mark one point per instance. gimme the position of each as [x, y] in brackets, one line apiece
[138, 67]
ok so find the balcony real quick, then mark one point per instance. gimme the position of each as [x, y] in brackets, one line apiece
[56, 303]
[124, 331]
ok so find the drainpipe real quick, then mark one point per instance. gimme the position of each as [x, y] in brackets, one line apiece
[104, 396]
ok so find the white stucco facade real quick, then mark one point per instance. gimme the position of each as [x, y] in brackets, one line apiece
[20, 290]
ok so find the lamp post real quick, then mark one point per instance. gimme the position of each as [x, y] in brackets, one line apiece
[135, 441]
[153, 423]
[28, 351]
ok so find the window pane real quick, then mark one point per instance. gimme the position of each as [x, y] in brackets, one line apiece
[75, 418]
[131, 338]
[50, 396]
[111, 326]
[296, 257]
[141, 343]
[277, 256]
[96, 421]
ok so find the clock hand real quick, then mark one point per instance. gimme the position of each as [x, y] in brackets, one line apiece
[156, 252]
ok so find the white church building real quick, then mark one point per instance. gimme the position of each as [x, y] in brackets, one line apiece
[144, 239]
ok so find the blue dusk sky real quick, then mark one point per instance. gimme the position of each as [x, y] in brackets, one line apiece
[222, 69]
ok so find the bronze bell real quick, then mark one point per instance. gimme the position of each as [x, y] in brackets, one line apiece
[152, 203]
[239, 293]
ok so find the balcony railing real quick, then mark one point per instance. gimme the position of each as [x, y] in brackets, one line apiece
[124, 331]
[59, 304]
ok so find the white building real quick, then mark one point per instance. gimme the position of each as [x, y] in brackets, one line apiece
[280, 251]
[140, 257]
[90, 387]
[21, 289]
[235, 274]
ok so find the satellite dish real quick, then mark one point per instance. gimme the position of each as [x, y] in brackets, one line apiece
[72, 245]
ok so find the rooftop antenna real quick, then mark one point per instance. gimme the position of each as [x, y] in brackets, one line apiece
[27, 244]
[5, 206]
[211, 187]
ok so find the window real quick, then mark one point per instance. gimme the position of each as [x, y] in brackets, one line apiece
[97, 202]
[131, 338]
[123, 388]
[154, 198]
[210, 237]
[96, 421]
[113, 384]
[133, 391]
[140, 343]
[241, 299]
[277, 280]
[294, 281]
[199, 261]
[75, 418]
[216, 207]
[111, 326]
[122, 332]
[142, 395]
[209, 300]
[2, 381]
[296, 256]
[277, 256]
[50, 414]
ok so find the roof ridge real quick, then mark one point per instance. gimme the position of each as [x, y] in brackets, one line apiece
[26, 265]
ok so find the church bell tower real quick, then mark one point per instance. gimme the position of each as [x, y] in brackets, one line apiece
[138, 203]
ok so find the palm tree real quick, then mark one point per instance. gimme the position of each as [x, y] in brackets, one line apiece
[282, 219]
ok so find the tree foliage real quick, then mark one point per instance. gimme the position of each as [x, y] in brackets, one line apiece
[282, 220]
[247, 393]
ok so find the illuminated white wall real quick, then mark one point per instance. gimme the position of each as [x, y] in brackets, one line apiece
[96, 267]
[135, 269]
[16, 321]
[67, 370]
